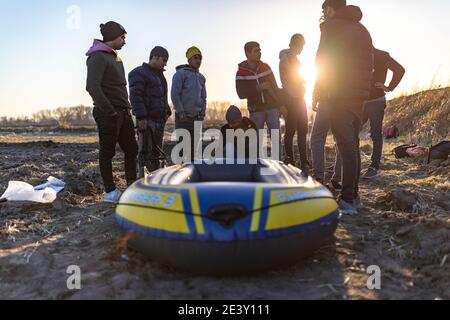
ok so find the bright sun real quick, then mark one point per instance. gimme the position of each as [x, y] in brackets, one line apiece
[309, 73]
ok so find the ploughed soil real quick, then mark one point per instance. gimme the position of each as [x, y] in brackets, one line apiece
[405, 230]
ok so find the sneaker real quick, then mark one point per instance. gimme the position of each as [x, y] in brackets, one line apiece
[346, 208]
[112, 197]
[371, 173]
[358, 204]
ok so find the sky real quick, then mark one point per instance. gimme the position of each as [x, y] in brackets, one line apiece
[43, 62]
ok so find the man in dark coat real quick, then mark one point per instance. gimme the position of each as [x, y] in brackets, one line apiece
[345, 64]
[294, 96]
[149, 101]
[375, 106]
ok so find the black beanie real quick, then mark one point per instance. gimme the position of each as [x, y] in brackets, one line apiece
[335, 4]
[111, 30]
[159, 52]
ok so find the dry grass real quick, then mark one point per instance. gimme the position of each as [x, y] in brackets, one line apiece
[423, 117]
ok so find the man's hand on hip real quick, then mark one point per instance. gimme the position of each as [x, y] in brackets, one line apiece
[380, 85]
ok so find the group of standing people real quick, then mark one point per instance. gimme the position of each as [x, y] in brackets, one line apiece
[147, 101]
[349, 91]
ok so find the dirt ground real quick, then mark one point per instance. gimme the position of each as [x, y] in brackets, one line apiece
[405, 230]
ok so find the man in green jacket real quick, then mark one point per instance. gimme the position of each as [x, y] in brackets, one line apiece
[106, 83]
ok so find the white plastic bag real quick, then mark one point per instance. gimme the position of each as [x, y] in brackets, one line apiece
[44, 193]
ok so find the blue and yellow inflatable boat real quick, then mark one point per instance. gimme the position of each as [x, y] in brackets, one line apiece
[218, 218]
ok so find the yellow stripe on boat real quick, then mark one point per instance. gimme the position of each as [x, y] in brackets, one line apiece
[287, 214]
[257, 205]
[158, 215]
[196, 210]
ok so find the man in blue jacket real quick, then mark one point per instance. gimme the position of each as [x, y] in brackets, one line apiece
[148, 97]
[189, 96]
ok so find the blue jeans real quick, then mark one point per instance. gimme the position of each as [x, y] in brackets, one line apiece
[272, 119]
[374, 112]
[319, 134]
[345, 125]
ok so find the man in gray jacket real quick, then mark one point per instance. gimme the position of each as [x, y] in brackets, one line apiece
[189, 96]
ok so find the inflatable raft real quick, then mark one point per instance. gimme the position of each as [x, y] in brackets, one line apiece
[227, 219]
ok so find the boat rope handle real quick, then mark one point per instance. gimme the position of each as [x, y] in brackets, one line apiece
[201, 216]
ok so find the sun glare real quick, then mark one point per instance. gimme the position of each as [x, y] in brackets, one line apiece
[309, 73]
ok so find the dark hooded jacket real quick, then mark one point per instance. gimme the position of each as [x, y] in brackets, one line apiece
[244, 125]
[344, 58]
[106, 81]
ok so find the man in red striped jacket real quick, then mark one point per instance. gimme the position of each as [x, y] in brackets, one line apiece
[256, 82]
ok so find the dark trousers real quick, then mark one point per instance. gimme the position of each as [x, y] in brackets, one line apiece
[149, 142]
[188, 124]
[319, 135]
[374, 112]
[113, 130]
[345, 124]
[296, 121]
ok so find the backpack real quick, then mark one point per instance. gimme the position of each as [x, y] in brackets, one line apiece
[391, 132]
[400, 151]
[417, 152]
[440, 151]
